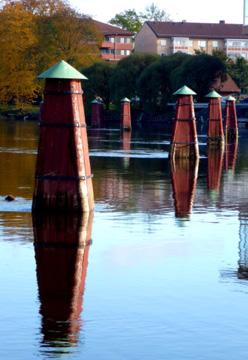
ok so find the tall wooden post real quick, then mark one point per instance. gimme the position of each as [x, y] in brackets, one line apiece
[63, 179]
[231, 153]
[184, 135]
[126, 114]
[61, 243]
[231, 121]
[184, 177]
[96, 113]
[215, 122]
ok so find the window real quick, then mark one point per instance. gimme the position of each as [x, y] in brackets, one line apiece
[215, 44]
[190, 43]
[110, 39]
[163, 42]
[202, 43]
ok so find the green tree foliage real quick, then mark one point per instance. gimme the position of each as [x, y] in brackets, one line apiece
[238, 70]
[199, 72]
[98, 83]
[128, 20]
[128, 70]
[154, 13]
[132, 21]
[155, 82]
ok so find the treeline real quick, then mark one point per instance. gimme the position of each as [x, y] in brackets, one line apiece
[35, 34]
[152, 78]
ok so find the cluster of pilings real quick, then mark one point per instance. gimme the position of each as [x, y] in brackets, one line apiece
[184, 154]
[97, 114]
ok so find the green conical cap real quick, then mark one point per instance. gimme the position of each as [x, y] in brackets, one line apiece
[231, 98]
[62, 70]
[125, 100]
[95, 101]
[184, 90]
[213, 94]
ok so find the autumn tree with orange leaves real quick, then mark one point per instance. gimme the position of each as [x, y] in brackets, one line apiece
[35, 34]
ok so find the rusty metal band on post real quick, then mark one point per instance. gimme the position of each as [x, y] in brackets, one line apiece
[63, 245]
[185, 143]
[189, 119]
[65, 92]
[184, 104]
[62, 177]
[65, 125]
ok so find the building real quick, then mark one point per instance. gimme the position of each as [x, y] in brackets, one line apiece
[165, 38]
[117, 43]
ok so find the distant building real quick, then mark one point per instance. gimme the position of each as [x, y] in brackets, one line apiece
[227, 87]
[117, 43]
[165, 38]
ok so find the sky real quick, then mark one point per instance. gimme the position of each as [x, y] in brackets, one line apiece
[189, 10]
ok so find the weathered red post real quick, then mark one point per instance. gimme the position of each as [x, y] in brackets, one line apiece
[126, 114]
[215, 165]
[96, 113]
[61, 245]
[184, 177]
[184, 135]
[215, 123]
[231, 121]
[63, 179]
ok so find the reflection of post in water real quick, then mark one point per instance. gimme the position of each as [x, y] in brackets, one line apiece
[126, 145]
[243, 246]
[231, 152]
[184, 176]
[61, 252]
[215, 165]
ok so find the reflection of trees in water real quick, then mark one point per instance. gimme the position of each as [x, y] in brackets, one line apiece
[61, 253]
[18, 143]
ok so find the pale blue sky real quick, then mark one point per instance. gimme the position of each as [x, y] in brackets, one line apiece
[190, 10]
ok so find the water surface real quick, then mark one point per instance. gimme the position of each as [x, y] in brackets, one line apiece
[158, 273]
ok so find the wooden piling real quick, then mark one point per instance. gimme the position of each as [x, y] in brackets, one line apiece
[184, 142]
[231, 153]
[126, 115]
[215, 122]
[63, 179]
[231, 121]
[96, 113]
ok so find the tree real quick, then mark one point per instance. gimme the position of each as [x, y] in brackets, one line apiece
[199, 72]
[132, 21]
[128, 20]
[239, 72]
[17, 67]
[155, 83]
[98, 83]
[153, 13]
[124, 80]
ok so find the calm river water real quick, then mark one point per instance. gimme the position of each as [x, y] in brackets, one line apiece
[161, 273]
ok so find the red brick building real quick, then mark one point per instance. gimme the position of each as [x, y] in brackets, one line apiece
[117, 43]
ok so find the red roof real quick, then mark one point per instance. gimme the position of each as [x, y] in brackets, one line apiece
[226, 87]
[219, 30]
[107, 29]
